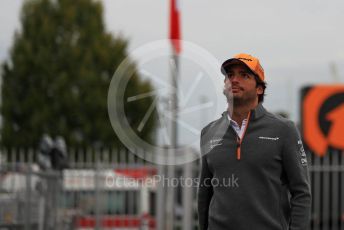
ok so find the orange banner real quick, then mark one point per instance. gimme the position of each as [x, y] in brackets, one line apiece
[313, 134]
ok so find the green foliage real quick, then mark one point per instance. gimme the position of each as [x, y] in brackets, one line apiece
[57, 77]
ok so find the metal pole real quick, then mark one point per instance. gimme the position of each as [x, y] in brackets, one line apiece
[53, 185]
[41, 207]
[171, 155]
[97, 192]
[334, 72]
[187, 192]
[161, 198]
[28, 199]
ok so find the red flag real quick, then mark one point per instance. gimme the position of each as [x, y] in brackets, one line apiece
[175, 26]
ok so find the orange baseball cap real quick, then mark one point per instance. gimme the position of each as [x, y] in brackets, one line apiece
[251, 62]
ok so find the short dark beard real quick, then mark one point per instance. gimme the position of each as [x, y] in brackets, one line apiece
[237, 102]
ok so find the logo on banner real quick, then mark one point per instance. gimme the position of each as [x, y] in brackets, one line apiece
[322, 118]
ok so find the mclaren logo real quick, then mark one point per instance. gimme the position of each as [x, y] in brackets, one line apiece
[245, 59]
[269, 138]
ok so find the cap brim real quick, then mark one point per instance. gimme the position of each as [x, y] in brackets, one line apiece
[230, 62]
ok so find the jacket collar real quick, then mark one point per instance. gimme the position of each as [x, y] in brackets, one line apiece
[256, 113]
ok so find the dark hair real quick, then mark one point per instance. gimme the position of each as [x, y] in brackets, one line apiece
[263, 85]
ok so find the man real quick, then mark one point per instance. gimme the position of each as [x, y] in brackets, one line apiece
[254, 170]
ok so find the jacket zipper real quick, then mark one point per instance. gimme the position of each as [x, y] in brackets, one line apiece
[239, 141]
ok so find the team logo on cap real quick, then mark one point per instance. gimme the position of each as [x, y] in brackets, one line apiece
[245, 59]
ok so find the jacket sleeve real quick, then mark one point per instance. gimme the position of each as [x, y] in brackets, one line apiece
[296, 168]
[205, 191]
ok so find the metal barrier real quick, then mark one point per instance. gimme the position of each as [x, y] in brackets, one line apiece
[83, 196]
[100, 190]
[327, 181]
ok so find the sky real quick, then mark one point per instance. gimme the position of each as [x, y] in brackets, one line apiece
[296, 41]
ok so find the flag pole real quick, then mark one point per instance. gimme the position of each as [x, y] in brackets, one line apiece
[170, 202]
[174, 65]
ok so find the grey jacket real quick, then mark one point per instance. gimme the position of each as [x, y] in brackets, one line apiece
[266, 189]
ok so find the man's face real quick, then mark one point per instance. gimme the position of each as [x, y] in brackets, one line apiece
[241, 84]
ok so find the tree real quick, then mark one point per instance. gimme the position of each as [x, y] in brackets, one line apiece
[58, 73]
